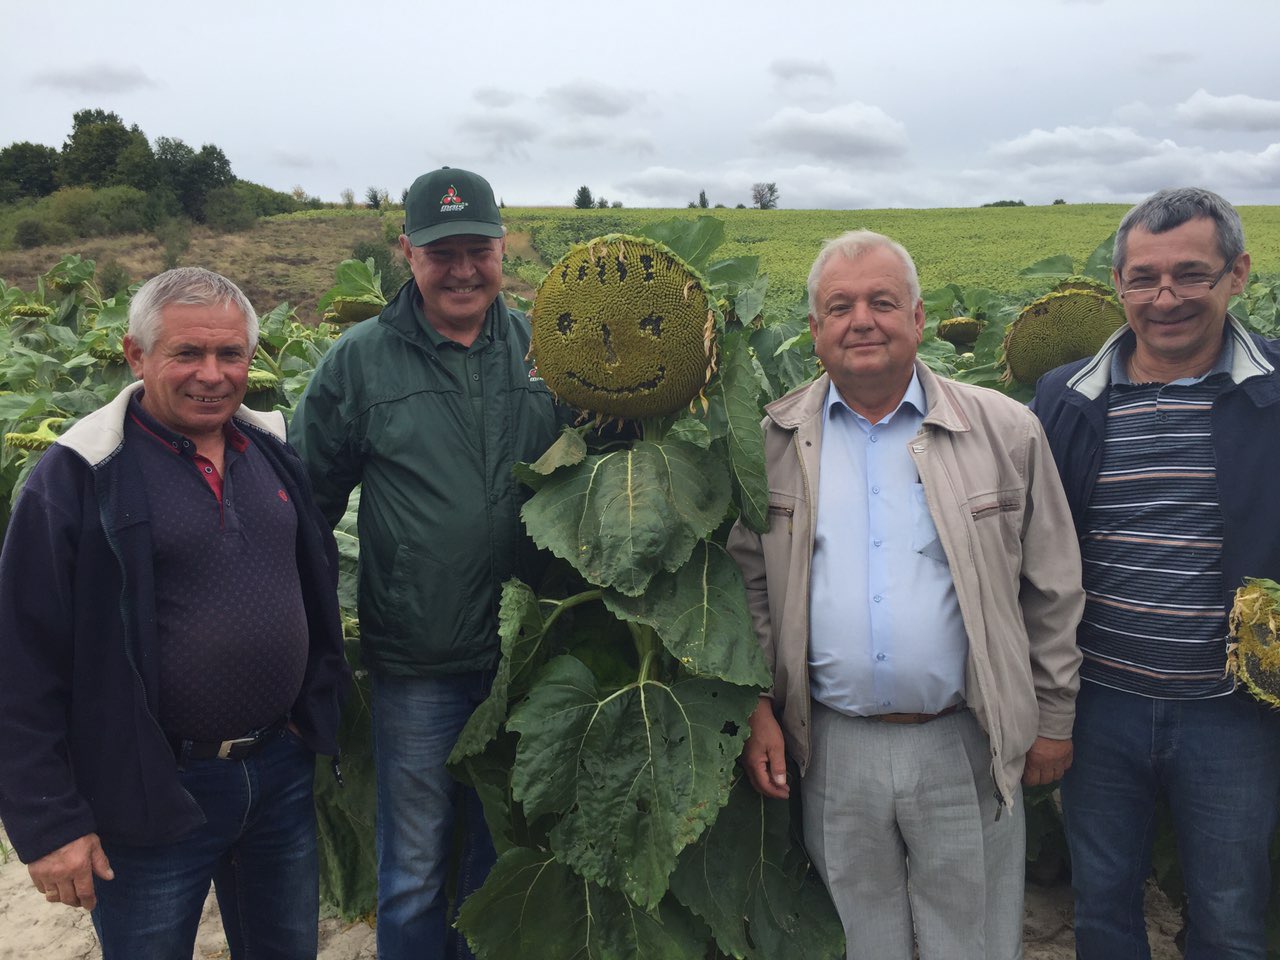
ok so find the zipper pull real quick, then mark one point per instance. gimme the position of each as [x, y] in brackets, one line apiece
[337, 773]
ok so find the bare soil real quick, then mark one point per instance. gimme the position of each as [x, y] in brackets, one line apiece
[278, 260]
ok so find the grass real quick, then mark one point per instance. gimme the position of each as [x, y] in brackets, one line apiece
[292, 257]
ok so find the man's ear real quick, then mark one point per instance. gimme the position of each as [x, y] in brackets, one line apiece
[133, 354]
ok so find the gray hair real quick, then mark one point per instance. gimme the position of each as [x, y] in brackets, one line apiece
[192, 286]
[1172, 208]
[854, 244]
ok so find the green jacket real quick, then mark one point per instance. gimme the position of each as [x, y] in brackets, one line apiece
[439, 509]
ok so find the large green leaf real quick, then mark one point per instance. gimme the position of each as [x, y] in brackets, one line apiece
[700, 613]
[740, 385]
[754, 887]
[622, 517]
[520, 627]
[533, 908]
[1060, 265]
[569, 449]
[489, 773]
[787, 369]
[692, 241]
[344, 813]
[636, 775]
[1098, 266]
[733, 272]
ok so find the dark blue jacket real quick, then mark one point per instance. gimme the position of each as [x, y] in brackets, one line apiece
[1071, 402]
[81, 750]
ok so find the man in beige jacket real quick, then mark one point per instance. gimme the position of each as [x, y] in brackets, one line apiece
[916, 595]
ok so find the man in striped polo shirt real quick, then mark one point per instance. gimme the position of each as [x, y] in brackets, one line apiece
[1165, 440]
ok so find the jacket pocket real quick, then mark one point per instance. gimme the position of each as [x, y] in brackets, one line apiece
[427, 606]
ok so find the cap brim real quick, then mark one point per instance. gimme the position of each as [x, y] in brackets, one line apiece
[455, 228]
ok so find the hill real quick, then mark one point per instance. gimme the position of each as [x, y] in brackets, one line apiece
[291, 257]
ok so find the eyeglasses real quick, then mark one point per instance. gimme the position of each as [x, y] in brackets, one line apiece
[1146, 289]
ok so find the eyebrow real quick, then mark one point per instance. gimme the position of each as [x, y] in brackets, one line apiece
[1180, 265]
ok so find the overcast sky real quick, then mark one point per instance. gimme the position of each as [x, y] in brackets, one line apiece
[841, 103]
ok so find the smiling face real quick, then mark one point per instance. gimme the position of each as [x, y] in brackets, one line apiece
[1179, 338]
[621, 327]
[866, 327]
[458, 277]
[195, 374]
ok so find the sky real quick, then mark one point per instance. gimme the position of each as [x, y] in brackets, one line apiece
[842, 104]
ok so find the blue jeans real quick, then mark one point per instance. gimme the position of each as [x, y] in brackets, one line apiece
[258, 846]
[416, 722]
[1217, 762]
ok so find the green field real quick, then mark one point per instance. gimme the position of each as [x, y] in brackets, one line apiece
[968, 246]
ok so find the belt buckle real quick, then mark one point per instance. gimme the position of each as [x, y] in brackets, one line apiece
[224, 751]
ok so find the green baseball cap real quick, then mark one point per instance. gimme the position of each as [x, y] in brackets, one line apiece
[450, 202]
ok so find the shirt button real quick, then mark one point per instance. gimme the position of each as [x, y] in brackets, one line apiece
[877, 541]
[875, 438]
[876, 598]
[880, 656]
[493, 498]
[475, 376]
[1162, 417]
[208, 469]
[875, 489]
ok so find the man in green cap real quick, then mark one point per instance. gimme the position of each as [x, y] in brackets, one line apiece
[427, 406]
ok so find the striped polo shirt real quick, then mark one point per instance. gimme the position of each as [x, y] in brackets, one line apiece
[1154, 620]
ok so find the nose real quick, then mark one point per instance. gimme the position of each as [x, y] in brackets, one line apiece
[210, 370]
[463, 265]
[860, 317]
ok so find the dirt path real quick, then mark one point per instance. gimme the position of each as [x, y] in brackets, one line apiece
[31, 928]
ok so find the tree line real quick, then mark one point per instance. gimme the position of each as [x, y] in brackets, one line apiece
[138, 183]
[764, 196]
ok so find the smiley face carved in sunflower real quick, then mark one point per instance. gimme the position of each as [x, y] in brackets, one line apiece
[622, 327]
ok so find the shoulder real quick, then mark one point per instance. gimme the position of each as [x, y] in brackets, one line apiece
[980, 408]
[1056, 380]
[803, 403]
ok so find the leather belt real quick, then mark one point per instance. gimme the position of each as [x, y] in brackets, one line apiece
[916, 717]
[236, 749]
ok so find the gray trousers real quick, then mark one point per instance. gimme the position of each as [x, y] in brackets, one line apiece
[900, 821]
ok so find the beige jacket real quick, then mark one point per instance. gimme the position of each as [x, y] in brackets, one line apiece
[1003, 521]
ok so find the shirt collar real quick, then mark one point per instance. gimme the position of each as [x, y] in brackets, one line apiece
[914, 397]
[1124, 350]
[177, 442]
[438, 339]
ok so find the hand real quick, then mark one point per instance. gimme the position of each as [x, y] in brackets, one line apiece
[1047, 761]
[66, 875]
[764, 757]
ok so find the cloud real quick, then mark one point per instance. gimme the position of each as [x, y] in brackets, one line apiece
[1235, 112]
[95, 79]
[794, 68]
[293, 160]
[1113, 144]
[1242, 176]
[848, 133]
[495, 97]
[595, 137]
[667, 185]
[591, 98]
[501, 133]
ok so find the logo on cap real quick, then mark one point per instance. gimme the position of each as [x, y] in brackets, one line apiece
[451, 201]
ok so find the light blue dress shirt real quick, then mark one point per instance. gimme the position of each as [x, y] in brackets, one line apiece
[885, 632]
